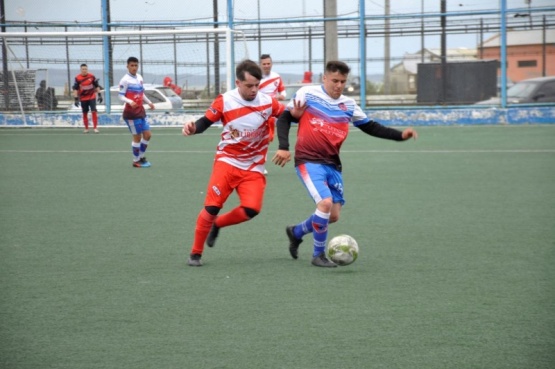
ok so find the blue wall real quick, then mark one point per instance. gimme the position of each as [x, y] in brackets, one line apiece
[389, 117]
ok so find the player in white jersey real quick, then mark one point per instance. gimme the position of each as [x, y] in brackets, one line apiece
[131, 92]
[240, 155]
[324, 115]
[271, 82]
[272, 85]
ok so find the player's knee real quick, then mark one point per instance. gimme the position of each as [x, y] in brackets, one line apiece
[251, 213]
[325, 205]
[334, 218]
[212, 210]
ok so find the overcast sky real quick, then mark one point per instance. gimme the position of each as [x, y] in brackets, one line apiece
[137, 10]
[201, 10]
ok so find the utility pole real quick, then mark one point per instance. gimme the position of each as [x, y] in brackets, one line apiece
[386, 50]
[529, 2]
[330, 31]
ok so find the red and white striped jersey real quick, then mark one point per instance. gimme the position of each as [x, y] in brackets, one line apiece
[272, 85]
[245, 136]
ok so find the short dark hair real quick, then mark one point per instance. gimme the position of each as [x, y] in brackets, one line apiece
[132, 59]
[337, 66]
[83, 65]
[265, 56]
[250, 67]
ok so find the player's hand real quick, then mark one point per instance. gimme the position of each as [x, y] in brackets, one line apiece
[151, 105]
[189, 129]
[76, 102]
[281, 158]
[298, 109]
[409, 133]
[100, 100]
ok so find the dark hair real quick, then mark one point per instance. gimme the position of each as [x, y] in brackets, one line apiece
[250, 67]
[337, 66]
[265, 56]
[83, 65]
[132, 59]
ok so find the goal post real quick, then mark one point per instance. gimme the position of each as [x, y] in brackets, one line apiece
[199, 60]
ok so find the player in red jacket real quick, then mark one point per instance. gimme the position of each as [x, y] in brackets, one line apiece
[84, 91]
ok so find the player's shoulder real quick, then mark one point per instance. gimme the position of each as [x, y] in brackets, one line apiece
[311, 89]
[347, 100]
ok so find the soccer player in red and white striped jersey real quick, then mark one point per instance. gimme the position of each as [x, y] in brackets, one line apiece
[271, 82]
[240, 155]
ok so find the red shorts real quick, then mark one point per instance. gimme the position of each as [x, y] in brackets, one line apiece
[225, 178]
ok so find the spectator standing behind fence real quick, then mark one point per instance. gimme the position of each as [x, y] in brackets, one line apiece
[271, 85]
[84, 91]
[324, 114]
[132, 93]
[46, 97]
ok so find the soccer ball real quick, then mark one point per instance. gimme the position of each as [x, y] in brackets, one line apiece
[342, 250]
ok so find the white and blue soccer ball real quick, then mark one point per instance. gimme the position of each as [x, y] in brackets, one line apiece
[342, 250]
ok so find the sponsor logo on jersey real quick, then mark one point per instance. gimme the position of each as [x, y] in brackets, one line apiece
[316, 121]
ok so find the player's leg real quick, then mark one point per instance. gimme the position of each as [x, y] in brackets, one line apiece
[135, 130]
[145, 139]
[327, 211]
[217, 192]
[85, 112]
[250, 188]
[94, 114]
[315, 179]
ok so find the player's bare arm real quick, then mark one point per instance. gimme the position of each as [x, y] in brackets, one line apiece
[189, 129]
[281, 158]
[151, 105]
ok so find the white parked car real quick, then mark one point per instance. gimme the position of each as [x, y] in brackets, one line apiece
[163, 98]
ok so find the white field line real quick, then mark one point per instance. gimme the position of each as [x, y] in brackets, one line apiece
[462, 151]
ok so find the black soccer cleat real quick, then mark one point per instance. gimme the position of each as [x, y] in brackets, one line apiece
[214, 231]
[322, 261]
[294, 242]
[194, 260]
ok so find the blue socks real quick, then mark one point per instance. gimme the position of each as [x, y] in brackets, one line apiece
[317, 223]
[135, 148]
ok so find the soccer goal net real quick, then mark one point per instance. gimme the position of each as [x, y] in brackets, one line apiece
[195, 62]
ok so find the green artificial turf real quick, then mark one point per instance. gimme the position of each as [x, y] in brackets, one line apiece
[456, 265]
